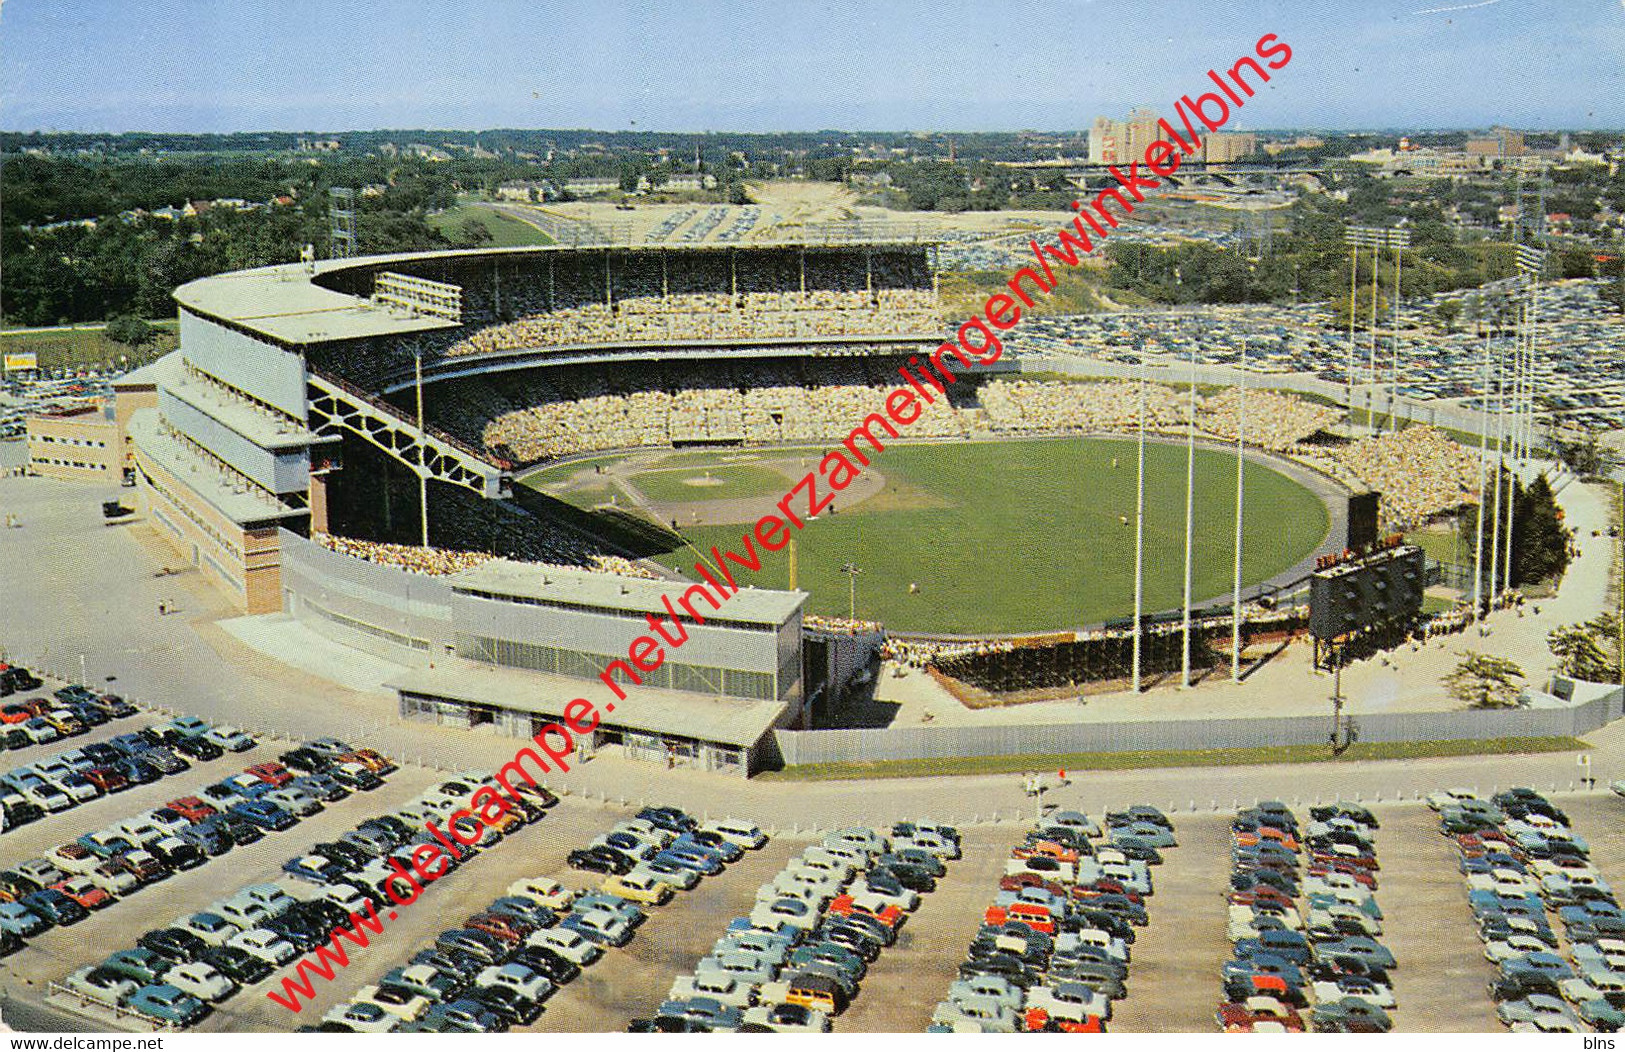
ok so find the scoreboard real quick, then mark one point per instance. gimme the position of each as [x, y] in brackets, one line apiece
[1383, 588]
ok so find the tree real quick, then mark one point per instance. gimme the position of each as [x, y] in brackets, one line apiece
[1588, 650]
[1540, 541]
[131, 332]
[473, 232]
[1447, 312]
[1483, 681]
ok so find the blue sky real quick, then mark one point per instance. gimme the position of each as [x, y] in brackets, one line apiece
[751, 65]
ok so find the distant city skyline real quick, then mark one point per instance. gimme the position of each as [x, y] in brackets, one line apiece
[733, 65]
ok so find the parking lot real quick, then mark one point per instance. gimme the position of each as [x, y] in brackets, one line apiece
[1173, 981]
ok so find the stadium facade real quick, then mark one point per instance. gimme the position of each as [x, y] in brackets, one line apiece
[308, 400]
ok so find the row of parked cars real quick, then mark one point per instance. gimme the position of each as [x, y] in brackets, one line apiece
[1053, 950]
[175, 974]
[1520, 858]
[1304, 921]
[798, 957]
[67, 779]
[94, 871]
[41, 721]
[498, 969]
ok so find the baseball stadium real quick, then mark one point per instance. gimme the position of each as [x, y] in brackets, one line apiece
[494, 466]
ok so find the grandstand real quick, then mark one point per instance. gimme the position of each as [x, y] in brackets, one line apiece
[290, 413]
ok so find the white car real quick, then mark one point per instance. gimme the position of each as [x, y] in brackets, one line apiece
[113, 878]
[720, 987]
[363, 1017]
[266, 945]
[1328, 990]
[1513, 946]
[572, 946]
[82, 792]
[105, 987]
[740, 833]
[405, 1009]
[71, 858]
[679, 878]
[925, 840]
[1073, 1001]
[344, 897]
[521, 980]
[200, 979]
[788, 1019]
[903, 899]
[210, 927]
[1450, 798]
[545, 892]
[1501, 881]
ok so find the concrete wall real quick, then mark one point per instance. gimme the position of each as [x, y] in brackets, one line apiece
[919, 743]
[397, 615]
[276, 472]
[268, 373]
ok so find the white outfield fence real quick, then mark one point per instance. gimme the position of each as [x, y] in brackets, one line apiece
[933, 743]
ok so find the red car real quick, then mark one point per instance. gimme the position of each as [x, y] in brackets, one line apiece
[16, 712]
[1260, 893]
[191, 808]
[510, 930]
[1242, 1017]
[270, 772]
[889, 915]
[107, 779]
[82, 891]
[1030, 880]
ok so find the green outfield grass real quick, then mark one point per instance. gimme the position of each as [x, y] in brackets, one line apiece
[506, 231]
[1026, 535]
[81, 348]
[724, 482]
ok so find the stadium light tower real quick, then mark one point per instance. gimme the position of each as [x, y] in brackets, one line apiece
[1373, 238]
[423, 439]
[1139, 532]
[851, 570]
[1399, 241]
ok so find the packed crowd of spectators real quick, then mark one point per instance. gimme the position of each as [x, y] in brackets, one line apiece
[923, 653]
[713, 315]
[1421, 472]
[439, 562]
[849, 626]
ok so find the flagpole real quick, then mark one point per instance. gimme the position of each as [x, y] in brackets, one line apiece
[1190, 523]
[1495, 527]
[1235, 586]
[1483, 465]
[1139, 533]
